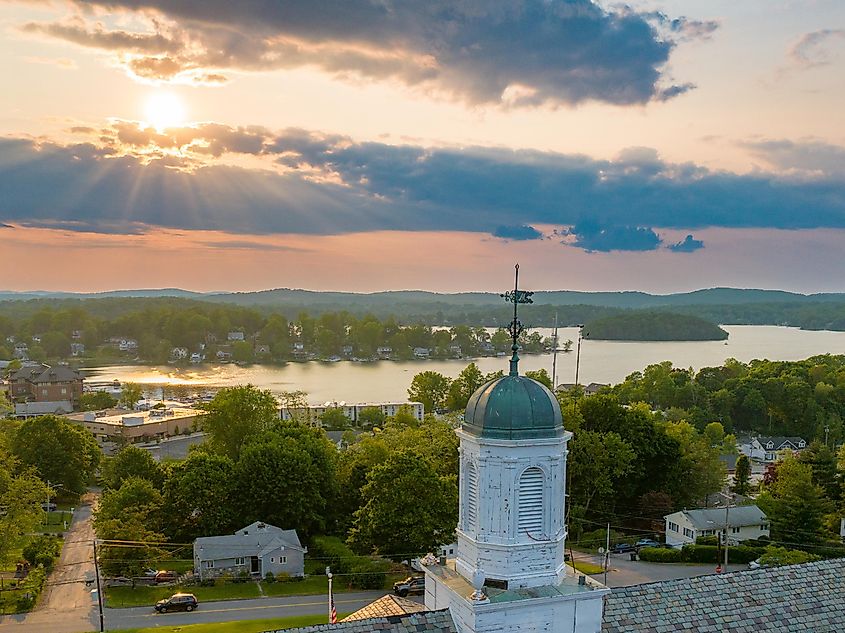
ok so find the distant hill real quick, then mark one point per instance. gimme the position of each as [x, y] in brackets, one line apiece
[643, 325]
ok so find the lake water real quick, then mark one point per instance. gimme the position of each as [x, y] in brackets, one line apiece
[601, 361]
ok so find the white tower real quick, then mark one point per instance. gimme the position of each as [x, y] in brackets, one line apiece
[509, 573]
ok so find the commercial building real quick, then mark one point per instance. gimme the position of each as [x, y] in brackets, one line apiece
[113, 424]
[312, 412]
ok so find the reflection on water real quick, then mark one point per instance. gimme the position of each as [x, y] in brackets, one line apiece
[601, 361]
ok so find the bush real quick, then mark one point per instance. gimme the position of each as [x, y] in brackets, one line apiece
[707, 540]
[660, 555]
[283, 576]
[269, 577]
[713, 554]
[334, 552]
[598, 538]
[42, 550]
[368, 574]
[243, 576]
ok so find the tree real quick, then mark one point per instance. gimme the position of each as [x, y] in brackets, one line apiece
[408, 508]
[199, 497]
[596, 464]
[131, 461]
[96, 401]
[296, 405]
[236, 415]
[61, 452]
[371, 417]
[243, 352]
[799, 505]
[775, 556]
[334, 419]
[714, 433]
[21, 494]
[429, 388]
[742, 475]
[541, 376]
[823, 462]
[130, 394]
[462, 387]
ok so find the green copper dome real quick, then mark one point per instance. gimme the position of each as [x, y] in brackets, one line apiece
[513, 408]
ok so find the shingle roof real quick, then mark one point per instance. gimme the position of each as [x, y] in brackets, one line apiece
[256, 542]
[425, 622]
[386, 606]
[786, 599]
[711, 518]
[45, 373]
[779, 442]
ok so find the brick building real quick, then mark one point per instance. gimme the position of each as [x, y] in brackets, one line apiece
[42, 383]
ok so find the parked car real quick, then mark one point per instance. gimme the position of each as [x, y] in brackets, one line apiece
[49, 507]
[150, 572]
[412, 584]
[177, 602]
[756, 564]
[622, 548]
[647, 542]
[164, 576]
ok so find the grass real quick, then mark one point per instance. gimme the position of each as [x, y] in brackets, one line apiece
[588, 568]
[240, 626]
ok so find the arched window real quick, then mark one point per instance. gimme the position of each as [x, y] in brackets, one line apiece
[472, 497]
[530, 517]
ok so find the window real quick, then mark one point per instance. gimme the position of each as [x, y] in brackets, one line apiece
[673, 526]
[472, 497]
[764, 527]
[283, 560]
[209, 564]
[273, 559]
[530, 517]
[689, 533]
[735, 530]
[240, 561]
[64, 390]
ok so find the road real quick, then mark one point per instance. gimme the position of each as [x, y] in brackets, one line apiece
[258, 608]
[624, 572]
[66, 604]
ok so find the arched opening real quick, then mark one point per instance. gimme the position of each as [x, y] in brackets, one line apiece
[530, 511]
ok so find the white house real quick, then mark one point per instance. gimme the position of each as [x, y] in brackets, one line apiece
[258, 548]
[766, 449]
[422, 352]
[744, 523]
[179, 353]
[127, 345]
[235, 335]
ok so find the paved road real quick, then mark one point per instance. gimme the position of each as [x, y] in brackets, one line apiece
[624, 572]
[66, 605]
[256, 609]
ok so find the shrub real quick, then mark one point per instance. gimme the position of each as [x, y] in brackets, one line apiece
[782, 556]
[269, 577]
[660, 555]
[283, 576]
[707, 540]
[368, 574]
[713, 554]
[42, 550]
[334, 552]
[243, 576]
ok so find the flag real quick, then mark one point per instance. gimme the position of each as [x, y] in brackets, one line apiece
[332, 610]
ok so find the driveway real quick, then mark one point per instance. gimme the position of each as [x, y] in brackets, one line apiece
[259, 608]
[66, 604]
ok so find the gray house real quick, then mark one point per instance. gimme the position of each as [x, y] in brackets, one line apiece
[258, 548]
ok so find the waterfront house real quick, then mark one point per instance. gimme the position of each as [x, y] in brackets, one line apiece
[179, 353]
[235, 335]
[743, 523]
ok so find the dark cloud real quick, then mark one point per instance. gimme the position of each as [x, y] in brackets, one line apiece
[592, 236]
[687, 245]
[317, 183]
[526, 52]
[811, 156]
[518, 232]
[674, 91]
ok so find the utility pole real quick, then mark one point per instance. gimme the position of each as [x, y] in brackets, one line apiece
[826, 433]
[47, 507]
[554, 358]
[607, 555]
[728, 500]
[99, 589]
[578, 353]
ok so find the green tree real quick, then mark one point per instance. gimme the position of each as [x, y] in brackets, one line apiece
[775, 556]
[430, 388]
[334, 419]
[243, 352]
[371, 417]
[714, 433]
[393, 526]
[61, 452]
[742, 475]
[462, 387]
[799, 505]
[21, 494]
[541, 376]
[96, 401]
[130, 461]
[823, 462]
[597, 462]
[130, 394]
[199, 497]
[235, 416]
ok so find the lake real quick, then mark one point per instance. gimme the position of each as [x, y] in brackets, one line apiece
[601, 361]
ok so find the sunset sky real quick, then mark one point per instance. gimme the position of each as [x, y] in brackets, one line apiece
[365, 145]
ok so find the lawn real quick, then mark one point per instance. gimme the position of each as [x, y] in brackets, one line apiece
[241, 626]
[588, 568]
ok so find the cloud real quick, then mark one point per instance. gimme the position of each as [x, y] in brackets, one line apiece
[810, 157]
[478, 51]
[303, 182]
[61, 62]
[591, 236]
[517, 232]
[687, 245]
[814, 49]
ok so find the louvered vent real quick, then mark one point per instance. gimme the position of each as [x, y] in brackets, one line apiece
[472, 497]
[531, 503]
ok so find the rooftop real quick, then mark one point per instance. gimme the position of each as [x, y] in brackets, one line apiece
[424, 622]
[385, 606]
[124, 417]
[706, 518]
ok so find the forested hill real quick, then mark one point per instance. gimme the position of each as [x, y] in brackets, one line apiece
[642, 325]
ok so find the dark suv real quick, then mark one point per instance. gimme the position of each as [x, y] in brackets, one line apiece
[412, 584]
[177, 602]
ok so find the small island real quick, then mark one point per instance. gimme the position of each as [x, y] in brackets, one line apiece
[653, 326]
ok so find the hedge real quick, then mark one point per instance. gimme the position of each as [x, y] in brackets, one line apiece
[713, 554]
[660, 555]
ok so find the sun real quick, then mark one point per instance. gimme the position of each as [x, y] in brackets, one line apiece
[164, 110]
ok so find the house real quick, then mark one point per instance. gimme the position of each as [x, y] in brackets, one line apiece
[77, 349]
[384, 352]
[76, 335]
[347, 350]
[21, 351]
[127, 345]
[42, 383]
[298, 350]
[259, 548]
[421, 352]
[589, 390]
[36, 339]
[487, 348]
[455, 349]
[744, 523]
[262, 349]
[223, 356]
[179, 353]
[235, 335]
[196, 358]
[767, 448]
[34, 409]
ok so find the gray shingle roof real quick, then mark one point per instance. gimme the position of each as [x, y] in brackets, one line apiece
[425, 622]
[781, 442]
[256, 542]
[713, 518]
[786, 599]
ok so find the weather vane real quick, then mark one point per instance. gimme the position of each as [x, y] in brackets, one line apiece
[516, 296]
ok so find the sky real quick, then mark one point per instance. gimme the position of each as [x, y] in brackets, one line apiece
[364, 145]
